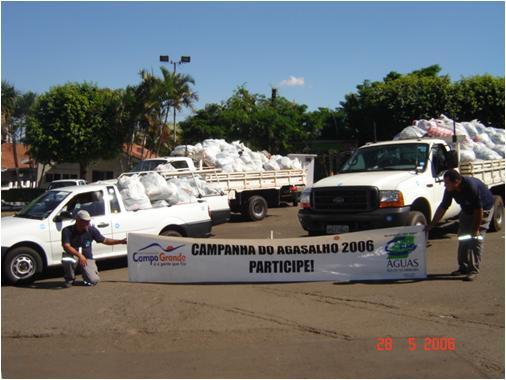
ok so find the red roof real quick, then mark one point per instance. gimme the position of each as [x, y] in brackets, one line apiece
[24, 159]
[8, 156]
[137, 150]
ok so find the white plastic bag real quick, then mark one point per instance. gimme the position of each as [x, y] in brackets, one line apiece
[133, 193]
[156, 187]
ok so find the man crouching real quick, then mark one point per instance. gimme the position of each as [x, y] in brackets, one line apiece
[76, 241]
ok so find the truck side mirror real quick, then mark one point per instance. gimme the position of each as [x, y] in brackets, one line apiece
[62, 216]
[452, 159]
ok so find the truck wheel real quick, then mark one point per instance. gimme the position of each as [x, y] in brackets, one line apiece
[171, 233]
[498, 217]
[256, 208]
[21, 264]
[416, 218]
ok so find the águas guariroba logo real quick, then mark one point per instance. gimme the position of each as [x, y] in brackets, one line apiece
[398, 250]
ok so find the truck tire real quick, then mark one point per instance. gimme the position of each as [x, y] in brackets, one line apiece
[416, 218]
[21, 265]
[171, 233]
[498, 217]
[255, 208]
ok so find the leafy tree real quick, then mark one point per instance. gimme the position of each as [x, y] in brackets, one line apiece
[76, 123]
[332, 124]
[480, 97]
[394, 103]
[277, 125]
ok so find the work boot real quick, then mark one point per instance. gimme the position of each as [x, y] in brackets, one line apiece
[471, 276]
[458, 272]
[68, 284]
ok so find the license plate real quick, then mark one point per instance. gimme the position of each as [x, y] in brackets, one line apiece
[337, 229]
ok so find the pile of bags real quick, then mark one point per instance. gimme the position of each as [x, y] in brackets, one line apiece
[152, 190]
[234, 157]
[480, 143]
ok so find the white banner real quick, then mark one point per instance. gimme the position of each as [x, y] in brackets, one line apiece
[386, 254]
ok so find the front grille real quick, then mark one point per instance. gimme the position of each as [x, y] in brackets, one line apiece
[345, 198]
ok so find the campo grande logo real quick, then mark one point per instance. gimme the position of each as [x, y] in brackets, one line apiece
[161, 259]
[167, 249]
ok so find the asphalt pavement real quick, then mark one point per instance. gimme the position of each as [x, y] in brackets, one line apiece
[441, 327]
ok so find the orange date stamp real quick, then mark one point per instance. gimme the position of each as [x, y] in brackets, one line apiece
[419, 344]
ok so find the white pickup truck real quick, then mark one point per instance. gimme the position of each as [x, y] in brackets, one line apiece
[250, 193]
[31, 240]
[395, 183]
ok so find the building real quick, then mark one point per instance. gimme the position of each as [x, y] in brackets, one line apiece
[25, 167]
[32, 173]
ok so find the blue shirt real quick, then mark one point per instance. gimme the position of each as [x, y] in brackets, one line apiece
[82, 239]
[473, 195]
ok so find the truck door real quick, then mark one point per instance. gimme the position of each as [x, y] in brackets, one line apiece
[438, 167]
[123, 221]
[93, 202]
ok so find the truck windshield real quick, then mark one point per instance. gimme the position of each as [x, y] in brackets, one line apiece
[41, 207]
[388, 157]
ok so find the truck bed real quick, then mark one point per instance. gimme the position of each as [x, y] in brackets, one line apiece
[490, 172]
[240, 181]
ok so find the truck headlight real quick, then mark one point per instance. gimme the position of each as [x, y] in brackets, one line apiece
[390, 198]
[305, 199]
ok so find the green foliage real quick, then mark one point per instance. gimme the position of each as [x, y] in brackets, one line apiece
[278, 125]
[16, 107]
[155, 98]
[76, 123]
[394, 103]
[480, 97]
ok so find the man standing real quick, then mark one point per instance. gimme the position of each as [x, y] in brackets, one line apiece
[76, 241]
[476, 202]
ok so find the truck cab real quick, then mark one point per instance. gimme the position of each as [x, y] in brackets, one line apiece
[179, 163]
[385, 184]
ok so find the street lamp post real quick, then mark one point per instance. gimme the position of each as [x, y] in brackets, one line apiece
[183, 59]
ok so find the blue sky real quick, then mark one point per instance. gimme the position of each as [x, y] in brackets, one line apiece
[315, 53]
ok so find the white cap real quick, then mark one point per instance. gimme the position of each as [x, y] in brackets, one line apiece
[83, 215]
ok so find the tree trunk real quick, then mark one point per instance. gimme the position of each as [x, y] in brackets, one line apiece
[39, 183]
[15, 154]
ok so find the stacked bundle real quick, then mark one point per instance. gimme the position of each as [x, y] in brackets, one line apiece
[234, 157]
[480, 142]
[152, 190]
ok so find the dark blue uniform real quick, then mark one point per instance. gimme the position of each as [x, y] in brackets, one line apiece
[81, 240]
[473, 195]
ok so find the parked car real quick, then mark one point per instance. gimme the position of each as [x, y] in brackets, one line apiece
[65, 182]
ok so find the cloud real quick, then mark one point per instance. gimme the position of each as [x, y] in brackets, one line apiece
[292, 81]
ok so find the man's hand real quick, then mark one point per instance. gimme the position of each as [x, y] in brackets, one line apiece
[82, 260]
[123, 241]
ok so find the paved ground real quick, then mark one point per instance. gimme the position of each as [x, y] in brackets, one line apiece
[317, 330]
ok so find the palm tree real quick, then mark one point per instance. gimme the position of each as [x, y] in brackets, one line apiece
[15, 110]
[150, 107]
[180, 94]
[9, 95]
